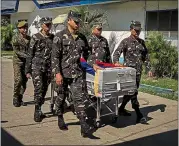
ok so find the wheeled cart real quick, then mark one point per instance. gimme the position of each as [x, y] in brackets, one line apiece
[110, 84]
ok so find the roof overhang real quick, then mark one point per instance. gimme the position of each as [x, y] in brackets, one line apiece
[68, 3]
[49, 4]
[7, 10]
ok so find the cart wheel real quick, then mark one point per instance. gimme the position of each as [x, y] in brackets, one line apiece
[51, 108]
[114, 119]
[97, 124]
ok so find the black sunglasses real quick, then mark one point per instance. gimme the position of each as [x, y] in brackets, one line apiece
[76, 22]
[48, 24]
[137, 31]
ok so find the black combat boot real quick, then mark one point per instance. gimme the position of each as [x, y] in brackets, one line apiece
[16, 102]
[38, 115]
[140, 118]
[86, 130]
[61, 123]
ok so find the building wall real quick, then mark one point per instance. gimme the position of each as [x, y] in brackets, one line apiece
[119, 16]
[19, 16]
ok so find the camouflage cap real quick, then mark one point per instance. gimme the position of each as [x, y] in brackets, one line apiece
[22, 24]
[45, 20]
[135, 25]
[97, 25]
[75, 16]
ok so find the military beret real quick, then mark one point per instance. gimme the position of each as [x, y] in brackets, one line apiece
[74, 15]
[45, 20]
[135, 25]
[22, 24]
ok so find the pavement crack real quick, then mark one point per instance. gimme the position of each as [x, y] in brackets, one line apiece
[132, 134]
[24, 125]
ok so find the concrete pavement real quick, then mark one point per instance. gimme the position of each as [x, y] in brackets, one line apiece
[18, 125]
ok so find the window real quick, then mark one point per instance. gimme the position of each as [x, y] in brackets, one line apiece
[151, 21]
[5, 20]
[174, 21]
[163, 20]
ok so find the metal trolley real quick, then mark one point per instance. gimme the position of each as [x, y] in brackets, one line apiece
[96, 102]
[113, 84]
[110, 96]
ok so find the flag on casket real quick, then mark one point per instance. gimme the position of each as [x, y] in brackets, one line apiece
[86, 66]
[89, 69]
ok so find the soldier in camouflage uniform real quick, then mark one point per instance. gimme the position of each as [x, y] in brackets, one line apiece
[135, 54]
[98, 46]
[39, 64]
[68, 46]
[20, 43]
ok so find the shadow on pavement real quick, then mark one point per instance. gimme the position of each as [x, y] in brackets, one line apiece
[4, 121]
[169, 138]
[126, 121]
[32, 102]
[8, 140]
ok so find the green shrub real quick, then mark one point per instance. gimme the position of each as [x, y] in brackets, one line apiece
[7, 33]
[163, 56]
[89, 18]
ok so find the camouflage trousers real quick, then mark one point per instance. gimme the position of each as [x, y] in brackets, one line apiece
[133, 98]
[20, 79]
[41, 81]
[78, 95]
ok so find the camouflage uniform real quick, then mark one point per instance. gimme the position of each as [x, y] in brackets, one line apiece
[100, 50]
[20, 46]
[66, 53]
[39, 66]
[135, 54]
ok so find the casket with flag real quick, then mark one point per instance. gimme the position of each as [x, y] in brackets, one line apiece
[112, 80]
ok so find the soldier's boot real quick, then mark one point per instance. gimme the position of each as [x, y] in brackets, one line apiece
[21, 101]
[86, 130]
[38, 115]
[61, 123]
[16, 102]
[140, 118]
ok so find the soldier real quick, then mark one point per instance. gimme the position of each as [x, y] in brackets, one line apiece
[20, 43]
[39, 64]
[68, 46]
[135, 54]
[99, 46]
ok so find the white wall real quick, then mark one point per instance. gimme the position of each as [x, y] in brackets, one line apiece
[119, 15]
[18, 16]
